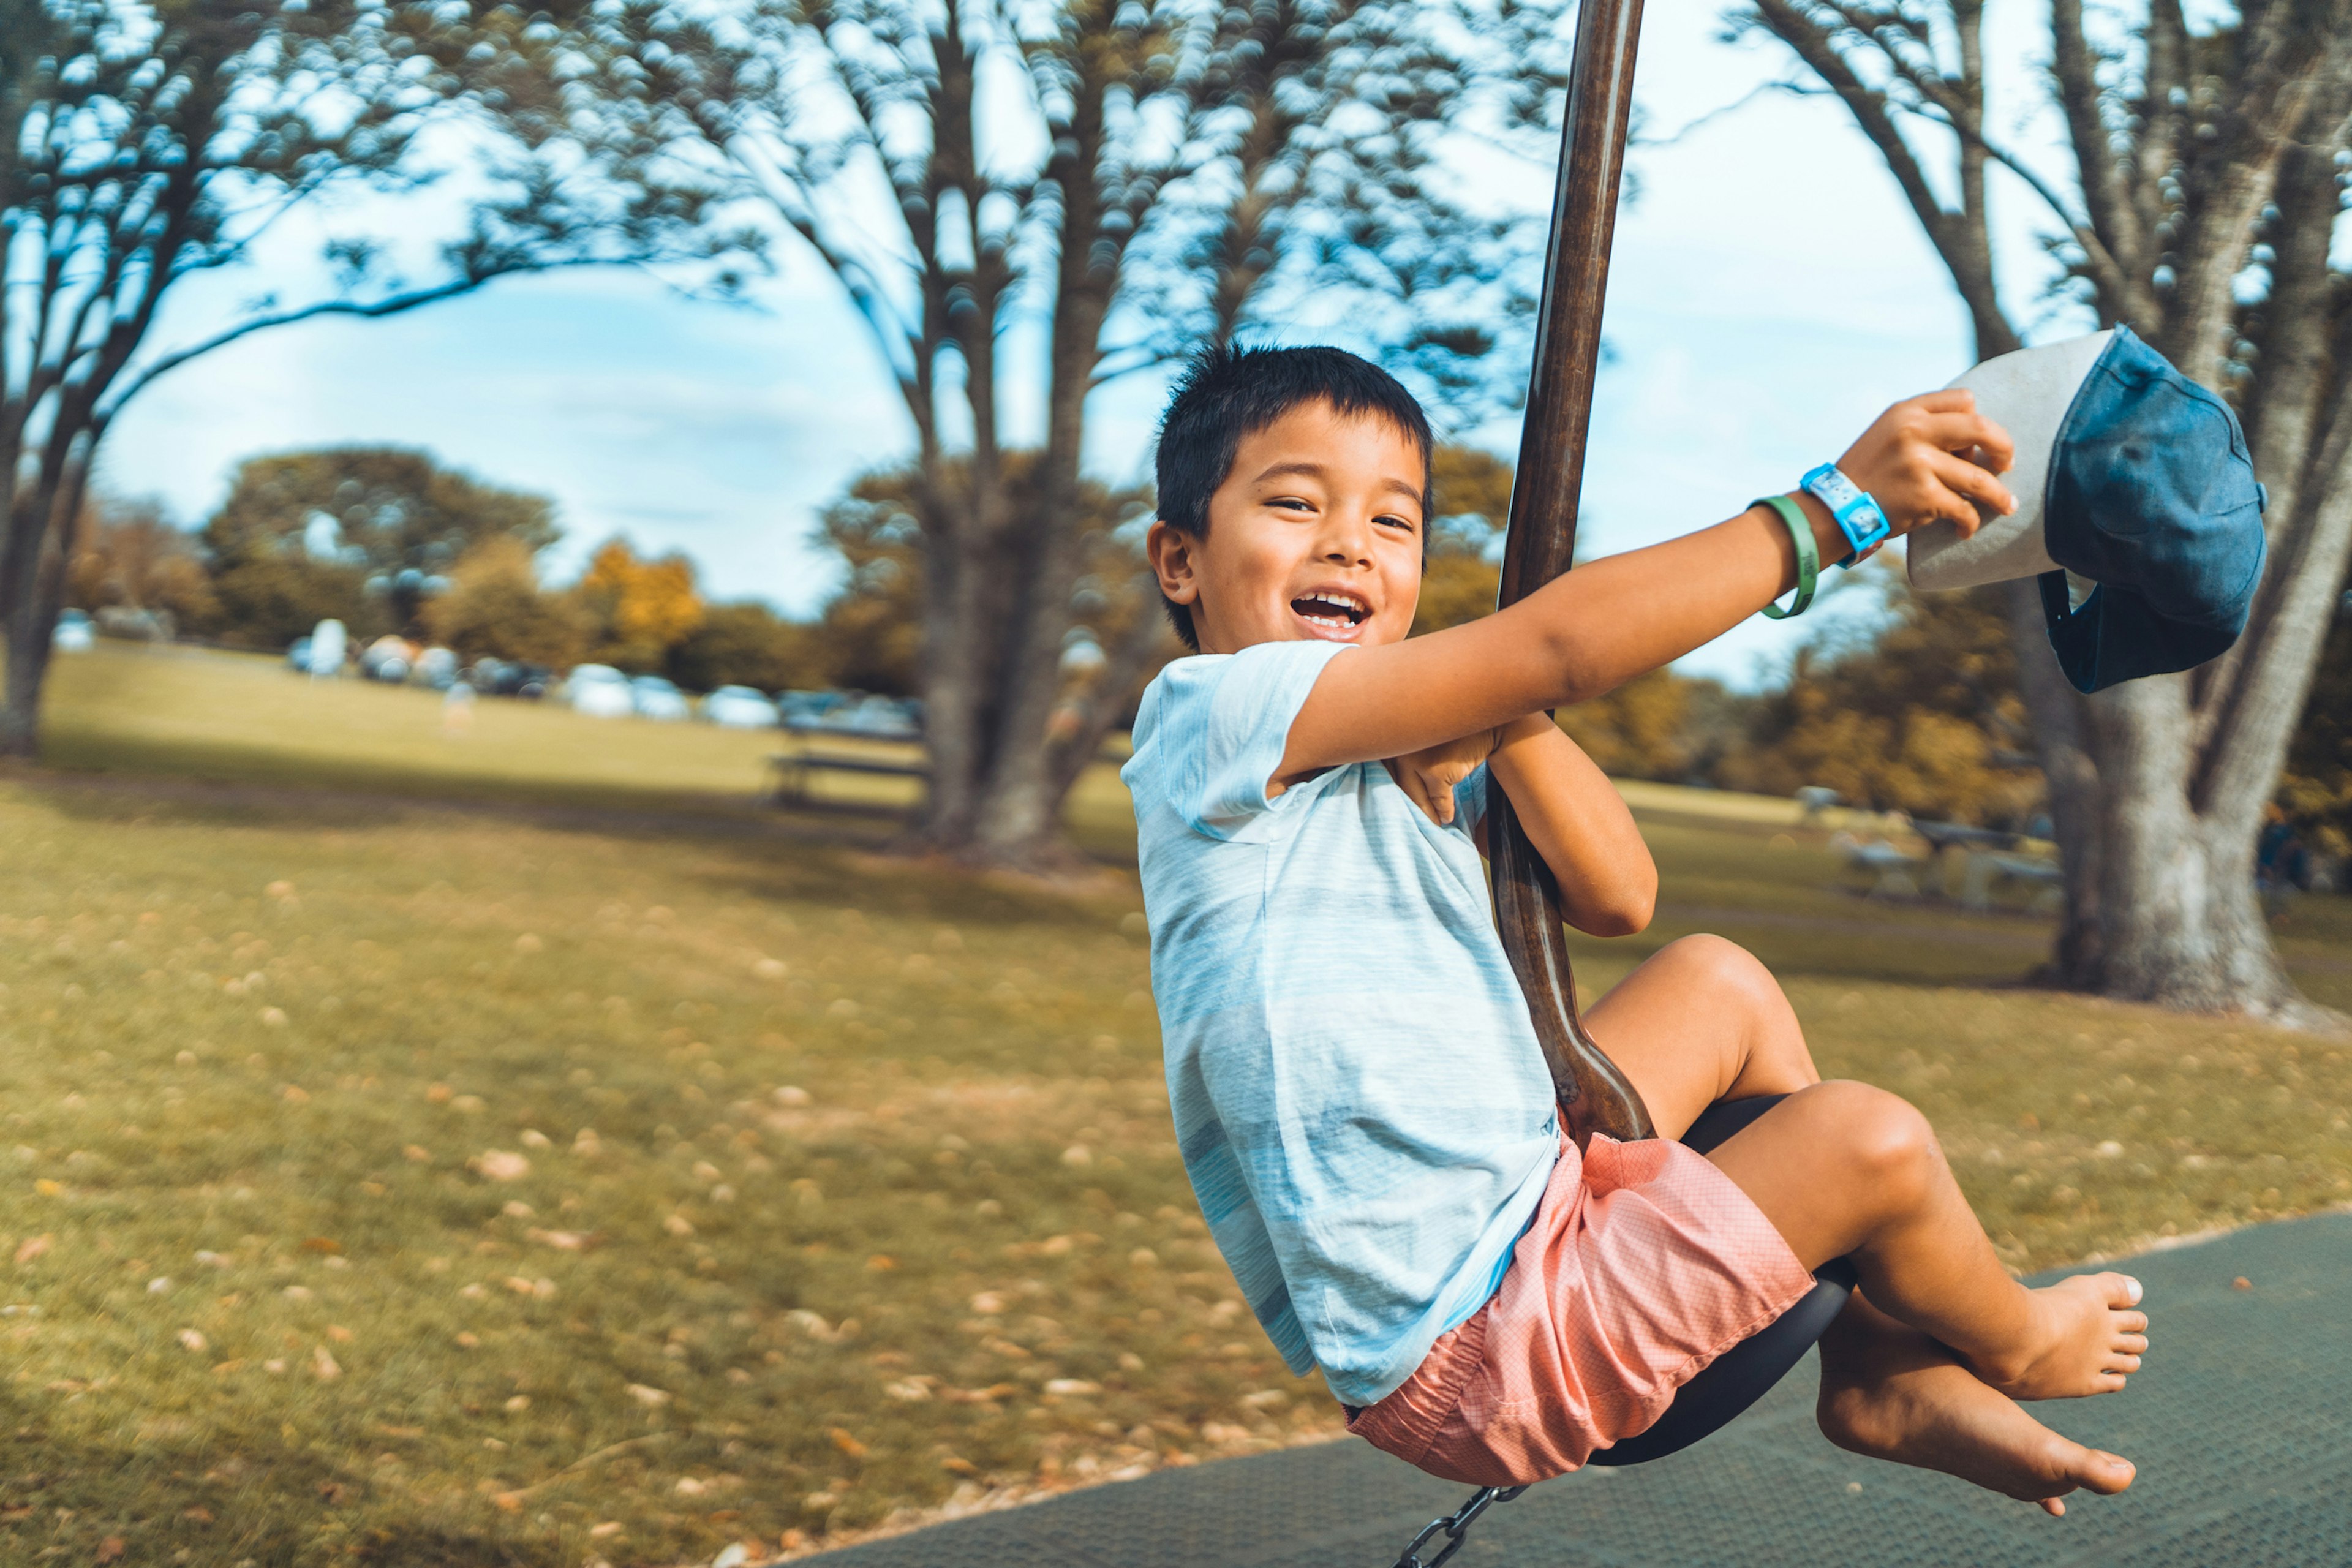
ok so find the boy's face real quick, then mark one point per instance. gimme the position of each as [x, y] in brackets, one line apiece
[1316, 532]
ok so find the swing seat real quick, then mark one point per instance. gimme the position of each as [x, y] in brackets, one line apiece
[1729, 1384]
[1741, 1375]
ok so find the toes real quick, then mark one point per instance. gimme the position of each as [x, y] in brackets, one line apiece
[2132, 1344]
[2131, 1322]
[2124, 1364]
[2105, 1472]
[2122, 1289]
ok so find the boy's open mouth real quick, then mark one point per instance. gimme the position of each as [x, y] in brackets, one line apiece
[1331, 612]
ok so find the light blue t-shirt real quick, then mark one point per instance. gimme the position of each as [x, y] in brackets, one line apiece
[1359, 1098]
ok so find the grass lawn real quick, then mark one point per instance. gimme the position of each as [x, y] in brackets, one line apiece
[402, 1185]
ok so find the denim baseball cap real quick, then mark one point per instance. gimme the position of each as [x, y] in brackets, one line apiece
[2152, 499]
[2137, 509]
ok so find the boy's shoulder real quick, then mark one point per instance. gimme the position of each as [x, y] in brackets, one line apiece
[1212, 730]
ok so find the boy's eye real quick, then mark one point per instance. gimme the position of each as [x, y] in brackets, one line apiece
[1391, 521]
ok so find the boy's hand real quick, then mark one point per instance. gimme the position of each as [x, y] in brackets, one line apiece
[1430, 776]
[1927, 458]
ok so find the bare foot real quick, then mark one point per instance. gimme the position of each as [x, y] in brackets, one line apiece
[2087, 1334]
[1890, 1392]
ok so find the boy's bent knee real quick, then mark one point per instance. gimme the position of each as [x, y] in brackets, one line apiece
[1726, 969]
[1883, 1140]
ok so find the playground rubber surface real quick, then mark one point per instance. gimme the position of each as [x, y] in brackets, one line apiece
[2240, 1423]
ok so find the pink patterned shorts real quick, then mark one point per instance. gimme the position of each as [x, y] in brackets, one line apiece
[1643, 1263]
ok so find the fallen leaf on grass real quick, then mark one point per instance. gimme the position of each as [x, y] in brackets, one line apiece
[326, 1244]
[275, 1018]
[688, 1487]
[49, 1188]
[678, 1224]
[605, 1530]
[561, 1241]
[647, 1395]
[1072, 1387]
[533, 1138]
[988, 1395]
[111, 1549]
[959, 1466]
[35, 1246]
[191, 1339]
[417, 1152]
[323, 1365]
[502, 1164]
[198, 1514]
[845, 1442]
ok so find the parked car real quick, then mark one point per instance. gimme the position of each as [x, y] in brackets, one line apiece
[884, 718]
[388, 658]
[509, 677]
[74, 634]
[739, 708]
[657, 699]
[437, 668]
[807, 707]
[600, 691]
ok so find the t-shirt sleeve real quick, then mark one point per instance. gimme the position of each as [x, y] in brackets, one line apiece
[1470, 800]
[1223, 724]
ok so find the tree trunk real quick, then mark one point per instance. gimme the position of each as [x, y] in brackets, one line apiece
[2156, 787]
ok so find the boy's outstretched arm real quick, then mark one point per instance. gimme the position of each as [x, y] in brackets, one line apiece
[1602, 625]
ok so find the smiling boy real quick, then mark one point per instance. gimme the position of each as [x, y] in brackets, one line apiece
[1360, 1099]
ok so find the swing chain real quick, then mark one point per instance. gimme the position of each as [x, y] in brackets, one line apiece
[1455, 1526]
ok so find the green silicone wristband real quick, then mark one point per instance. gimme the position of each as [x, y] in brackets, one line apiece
[1808, 560]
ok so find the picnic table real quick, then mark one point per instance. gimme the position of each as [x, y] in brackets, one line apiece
[822, 747]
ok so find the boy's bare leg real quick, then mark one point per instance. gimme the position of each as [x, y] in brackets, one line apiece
[1701, 1020]
[1845, 1170]
[1891, 1392]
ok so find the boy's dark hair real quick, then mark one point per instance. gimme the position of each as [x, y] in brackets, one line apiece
[1228, 393]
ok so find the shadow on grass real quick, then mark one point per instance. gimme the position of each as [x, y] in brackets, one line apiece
[245, 1497]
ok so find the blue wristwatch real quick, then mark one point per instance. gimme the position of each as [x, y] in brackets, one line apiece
[1858, 517]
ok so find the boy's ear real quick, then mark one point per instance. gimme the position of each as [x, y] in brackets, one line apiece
[1170, 550]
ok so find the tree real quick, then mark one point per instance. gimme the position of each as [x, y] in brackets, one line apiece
[144, 143]
[1921, 714]
[637, 611]
[132, 557]
[2199, 206]
[871, 631]
[746, 643]
[2317, 791]
[391, 519]
[494, 607]
[1128, 180]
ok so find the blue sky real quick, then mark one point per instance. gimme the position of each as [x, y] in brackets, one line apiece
[1770, 293]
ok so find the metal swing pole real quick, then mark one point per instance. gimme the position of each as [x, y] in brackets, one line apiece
[1594, 1097]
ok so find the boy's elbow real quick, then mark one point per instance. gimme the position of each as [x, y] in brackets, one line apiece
[1627, 916]
[1625, 909]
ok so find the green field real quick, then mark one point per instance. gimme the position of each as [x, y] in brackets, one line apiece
[588, 1172]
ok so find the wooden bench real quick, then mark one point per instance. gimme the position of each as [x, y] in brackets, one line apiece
[794, 769]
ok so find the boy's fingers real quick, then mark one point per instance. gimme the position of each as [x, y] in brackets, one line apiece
[1950, 400]
[1960, 431]
[1972, 483]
